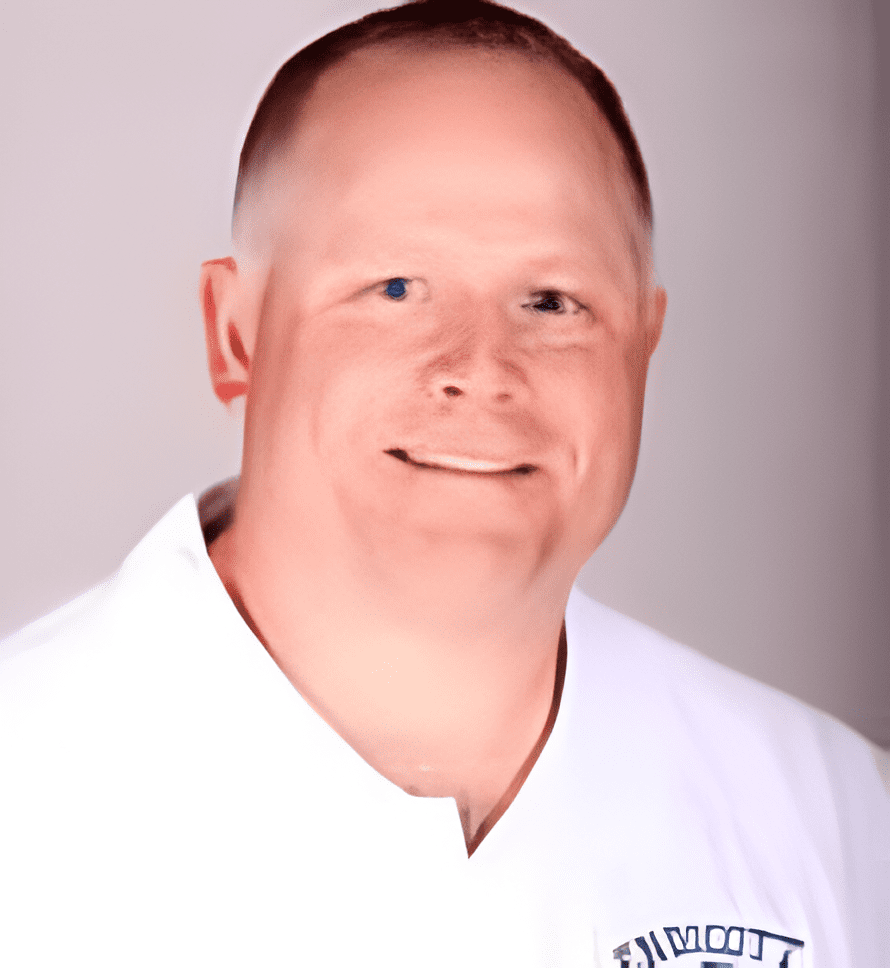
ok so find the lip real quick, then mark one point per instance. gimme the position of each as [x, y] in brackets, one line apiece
[459, 463]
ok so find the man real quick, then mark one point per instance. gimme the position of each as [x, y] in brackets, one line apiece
[370, 722]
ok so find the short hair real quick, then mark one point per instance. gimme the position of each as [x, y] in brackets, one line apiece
[458, 23]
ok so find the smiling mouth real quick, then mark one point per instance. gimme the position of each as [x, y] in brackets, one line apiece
[460, 465]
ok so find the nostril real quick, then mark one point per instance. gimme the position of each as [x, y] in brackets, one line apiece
[452, 391]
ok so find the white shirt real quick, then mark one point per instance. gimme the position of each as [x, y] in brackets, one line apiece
[168, 798]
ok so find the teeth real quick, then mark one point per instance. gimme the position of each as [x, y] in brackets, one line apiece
[465, 464]
[468, 464]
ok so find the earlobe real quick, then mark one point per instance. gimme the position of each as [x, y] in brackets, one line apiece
[656, 317]
[227, 358]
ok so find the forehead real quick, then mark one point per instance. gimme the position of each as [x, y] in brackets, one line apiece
[410, 94]
[429, 137]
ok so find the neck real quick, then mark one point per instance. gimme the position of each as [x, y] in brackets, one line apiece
[443, 696]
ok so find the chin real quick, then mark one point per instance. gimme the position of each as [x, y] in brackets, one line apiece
[479, 538]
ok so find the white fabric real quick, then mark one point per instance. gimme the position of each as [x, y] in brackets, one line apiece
[169, 799]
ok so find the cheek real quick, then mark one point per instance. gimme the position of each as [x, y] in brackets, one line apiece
[306, 360]
[346, 383]
[600, 418]
[605, 416]
[599, 402]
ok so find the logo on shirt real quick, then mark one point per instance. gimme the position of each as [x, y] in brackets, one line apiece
[710, 946]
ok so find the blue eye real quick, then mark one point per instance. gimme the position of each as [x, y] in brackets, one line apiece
[396, 288]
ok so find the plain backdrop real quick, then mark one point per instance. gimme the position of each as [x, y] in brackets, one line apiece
[758, 530]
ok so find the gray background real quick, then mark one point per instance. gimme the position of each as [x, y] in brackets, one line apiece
[759, 526]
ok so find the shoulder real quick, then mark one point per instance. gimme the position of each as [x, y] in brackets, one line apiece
[673, 680]
[742, 741]
[129, 613]
[780, 792]
[753, 753]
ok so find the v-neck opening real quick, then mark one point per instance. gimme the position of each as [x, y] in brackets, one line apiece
[217, 502]
[525, 771]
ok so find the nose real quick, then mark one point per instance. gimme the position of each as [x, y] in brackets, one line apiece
[476, 358]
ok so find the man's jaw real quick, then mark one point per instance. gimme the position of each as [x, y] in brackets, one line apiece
[459, 463]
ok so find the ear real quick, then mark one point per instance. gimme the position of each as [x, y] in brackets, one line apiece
[227, 358]
[655, 322]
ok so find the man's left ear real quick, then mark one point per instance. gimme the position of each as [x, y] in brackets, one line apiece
[655, 321]
[228, 335]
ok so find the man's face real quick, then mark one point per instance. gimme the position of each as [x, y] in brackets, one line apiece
[452, 349]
